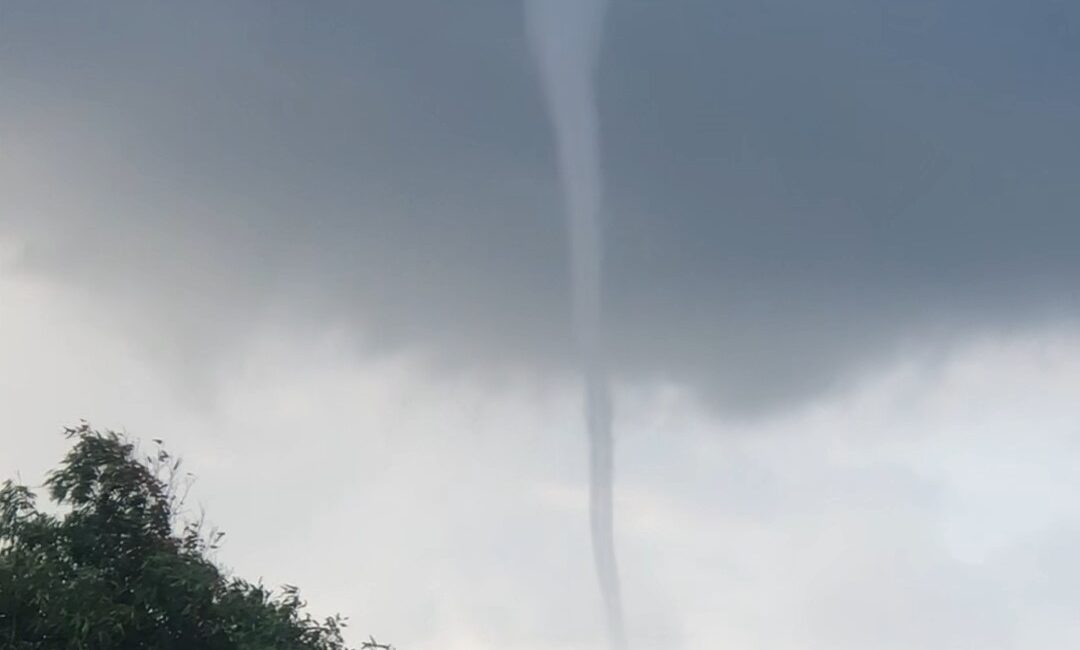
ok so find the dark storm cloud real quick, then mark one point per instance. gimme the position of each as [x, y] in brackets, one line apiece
[794, 190]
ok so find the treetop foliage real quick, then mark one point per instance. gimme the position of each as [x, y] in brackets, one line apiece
[116, 569]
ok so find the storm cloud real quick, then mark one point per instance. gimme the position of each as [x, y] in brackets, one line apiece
[794, 191]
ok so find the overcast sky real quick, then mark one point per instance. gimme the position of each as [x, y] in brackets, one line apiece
[319, 249]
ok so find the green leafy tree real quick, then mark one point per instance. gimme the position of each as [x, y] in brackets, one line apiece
[114, 569]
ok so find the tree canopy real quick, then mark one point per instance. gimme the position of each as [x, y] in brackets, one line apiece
[115, 568]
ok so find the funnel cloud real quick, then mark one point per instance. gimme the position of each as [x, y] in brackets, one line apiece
[565, 38]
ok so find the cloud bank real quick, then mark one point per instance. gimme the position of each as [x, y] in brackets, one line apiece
[933, 507]
[801, 191]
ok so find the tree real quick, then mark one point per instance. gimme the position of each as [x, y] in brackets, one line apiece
[115, 569]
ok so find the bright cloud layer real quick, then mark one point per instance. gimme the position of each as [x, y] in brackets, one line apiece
[934, 506]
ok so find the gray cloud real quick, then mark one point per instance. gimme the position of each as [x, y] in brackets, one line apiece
[793, 191]
[907, 513]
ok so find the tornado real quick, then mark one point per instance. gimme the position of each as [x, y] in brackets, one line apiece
[565, 39]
